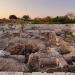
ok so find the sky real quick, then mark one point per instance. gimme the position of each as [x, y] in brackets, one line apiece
[36, 8]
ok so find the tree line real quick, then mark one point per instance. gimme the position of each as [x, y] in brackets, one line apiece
[37, 20]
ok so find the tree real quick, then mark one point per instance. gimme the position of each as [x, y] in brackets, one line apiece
[61, 20]
[37, 21]
[26, 18]
[47, 20]
[13, 17]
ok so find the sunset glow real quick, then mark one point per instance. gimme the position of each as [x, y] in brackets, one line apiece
[36, 8]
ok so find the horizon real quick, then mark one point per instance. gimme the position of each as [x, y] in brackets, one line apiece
[36, 8]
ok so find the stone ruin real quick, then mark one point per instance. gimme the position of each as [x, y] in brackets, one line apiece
[37, 52]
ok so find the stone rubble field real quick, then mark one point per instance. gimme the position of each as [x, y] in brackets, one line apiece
[37, 48]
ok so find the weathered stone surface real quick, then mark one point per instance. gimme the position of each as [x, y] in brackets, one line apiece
[12, 63]
[41, 48]
[64, 47]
